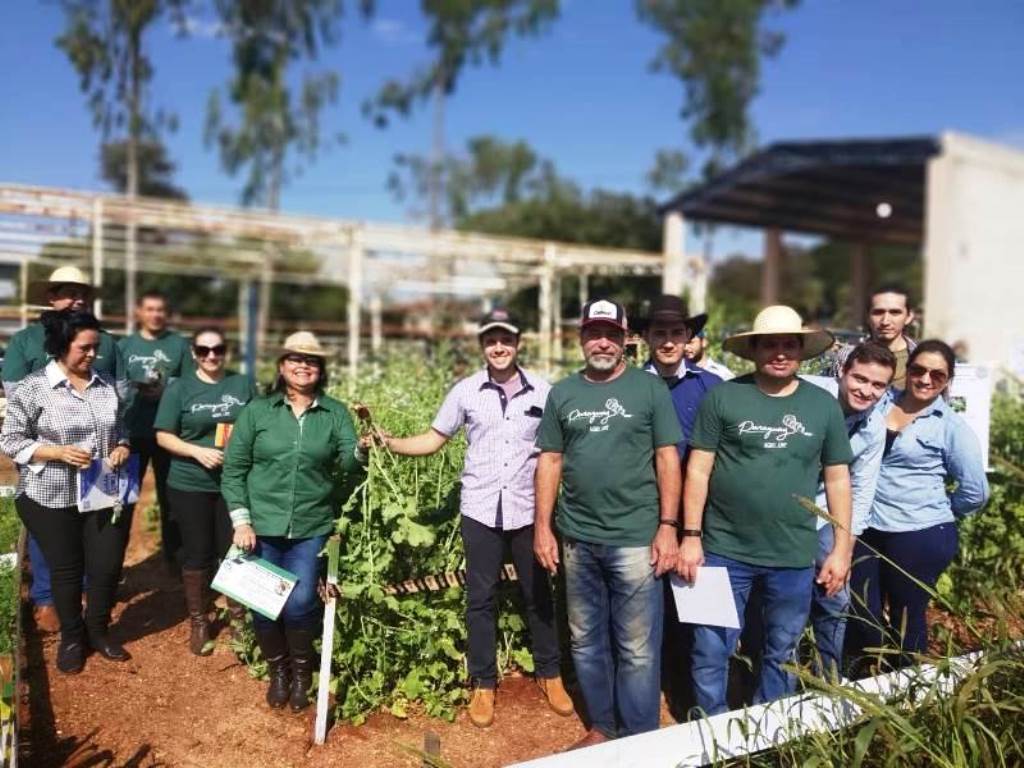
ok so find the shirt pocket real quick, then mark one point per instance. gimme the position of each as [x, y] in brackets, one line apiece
[927, 452]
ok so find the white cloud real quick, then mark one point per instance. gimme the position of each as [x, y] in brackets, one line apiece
[393, 32]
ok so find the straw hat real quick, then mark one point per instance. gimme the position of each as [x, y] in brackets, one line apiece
[303, 343]
[780, 320]
[59, 276]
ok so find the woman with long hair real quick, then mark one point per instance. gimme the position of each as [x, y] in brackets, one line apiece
[59, 420]
[932, 476]
[193, 423]
[290, 454]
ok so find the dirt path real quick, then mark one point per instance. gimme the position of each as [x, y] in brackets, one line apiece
[166, 707]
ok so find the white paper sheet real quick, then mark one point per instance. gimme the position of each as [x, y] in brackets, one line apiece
[708, 601]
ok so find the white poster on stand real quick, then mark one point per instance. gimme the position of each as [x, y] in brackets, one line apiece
[970, 395]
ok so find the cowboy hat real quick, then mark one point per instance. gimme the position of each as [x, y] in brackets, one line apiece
[672, 309]
[59, 276]
[303, 343]
[780, 320]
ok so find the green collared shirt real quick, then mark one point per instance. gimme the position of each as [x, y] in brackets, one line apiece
[287, 476]
[26, 354]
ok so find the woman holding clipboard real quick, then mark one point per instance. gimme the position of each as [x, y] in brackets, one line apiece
[61, 419]
[290, 456]
[193, 423]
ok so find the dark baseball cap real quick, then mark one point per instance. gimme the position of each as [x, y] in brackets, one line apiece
[603, 311]
[498, 318]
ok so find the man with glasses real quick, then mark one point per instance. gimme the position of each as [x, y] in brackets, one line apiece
[66, 288]
[500, 408]
[153, 355]
[609, 457]
[888, 314]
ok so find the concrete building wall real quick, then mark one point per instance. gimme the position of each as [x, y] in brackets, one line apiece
[974, 248]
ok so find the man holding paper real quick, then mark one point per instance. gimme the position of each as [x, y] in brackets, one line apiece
[761, 441]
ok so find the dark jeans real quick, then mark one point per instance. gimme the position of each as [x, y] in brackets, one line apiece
[75, 543]
[40, 593]
[302, 558]
[786, 603]
[924, 554]
[149, 451]
[485, 552]
[206, 532]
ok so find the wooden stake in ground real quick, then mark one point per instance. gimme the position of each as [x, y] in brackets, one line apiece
[327, 642]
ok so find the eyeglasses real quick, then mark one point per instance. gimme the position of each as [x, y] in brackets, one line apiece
[203, 351]
[939, 377]
[310, 360]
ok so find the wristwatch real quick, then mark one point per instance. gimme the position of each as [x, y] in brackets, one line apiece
[695, 532]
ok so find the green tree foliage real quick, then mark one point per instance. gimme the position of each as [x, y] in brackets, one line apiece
[156, 169]
[715, 49]
[275, 113]
[460, 32]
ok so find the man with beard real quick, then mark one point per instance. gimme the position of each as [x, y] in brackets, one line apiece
[761, 441]
[500, 407]
[888, 315]
[608, 439]
[697, 353]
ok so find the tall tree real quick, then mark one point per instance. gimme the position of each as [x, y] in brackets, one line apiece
[461, 33]
[715, 48]
[104, 41]
[155, 172]
[277, 112]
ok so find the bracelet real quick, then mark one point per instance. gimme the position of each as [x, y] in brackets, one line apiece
[673, 523]
[695, 532]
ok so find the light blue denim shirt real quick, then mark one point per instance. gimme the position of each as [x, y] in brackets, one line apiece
[867, 442]
[934, 448]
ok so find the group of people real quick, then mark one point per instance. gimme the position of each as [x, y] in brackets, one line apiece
[825, 499]
[817, 495]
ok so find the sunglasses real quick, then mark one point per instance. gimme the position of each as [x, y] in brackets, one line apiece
[310, 360]
[919, 371]
[203, 351]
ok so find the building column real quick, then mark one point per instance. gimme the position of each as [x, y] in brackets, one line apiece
[673, 246]
[97, 257]
[355, 292]
[771, 268]
[858, 282]
[544, 295]
[376, 324]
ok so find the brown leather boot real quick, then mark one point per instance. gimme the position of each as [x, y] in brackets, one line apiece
[195, 600]
[481, 707]
[236, 617]
[46, 619]
[555, 693]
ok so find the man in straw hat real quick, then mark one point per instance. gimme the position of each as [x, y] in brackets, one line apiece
[66, 288]
[500, 407]
[608, 455]
[761, 442]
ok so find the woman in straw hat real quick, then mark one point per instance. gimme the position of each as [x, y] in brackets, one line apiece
[65, 288]
[279, 482]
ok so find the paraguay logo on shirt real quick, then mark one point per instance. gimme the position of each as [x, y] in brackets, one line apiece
[775, 436]
[218, 410]
[599, 421]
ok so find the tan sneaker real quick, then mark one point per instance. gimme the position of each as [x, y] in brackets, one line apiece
[46, 619]
[481, 707]
[556, 695]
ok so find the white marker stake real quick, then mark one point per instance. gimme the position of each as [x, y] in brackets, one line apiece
[327, 644]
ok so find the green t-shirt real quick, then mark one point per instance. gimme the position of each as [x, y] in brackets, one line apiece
[607, 433]
[150, 364]
[767, 450]
[192, 409]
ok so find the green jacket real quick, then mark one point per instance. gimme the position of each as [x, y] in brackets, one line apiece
[285, 476]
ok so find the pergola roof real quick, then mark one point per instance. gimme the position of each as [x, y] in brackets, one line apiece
[828, 188]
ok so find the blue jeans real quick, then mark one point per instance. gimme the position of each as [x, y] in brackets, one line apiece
[615, 607]
[40, 593]
[301, 557]
[828, 615]
[787, 602]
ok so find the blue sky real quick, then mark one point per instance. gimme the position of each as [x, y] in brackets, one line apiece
[582, 95]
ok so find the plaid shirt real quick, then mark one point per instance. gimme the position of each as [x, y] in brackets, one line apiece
[501, 456]
[46, 410]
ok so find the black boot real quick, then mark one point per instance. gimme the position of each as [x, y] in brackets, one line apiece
[71, 653]
[196, 601]
[100, 641]
[300, 645]
[275, 650]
